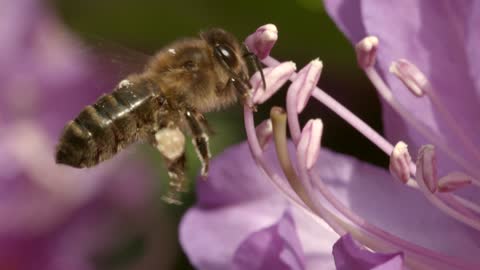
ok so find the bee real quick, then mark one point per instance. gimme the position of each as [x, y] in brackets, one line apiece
[181, 82]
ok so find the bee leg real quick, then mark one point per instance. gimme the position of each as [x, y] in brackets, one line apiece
[178, 183]
[170, 142]
[200, 139]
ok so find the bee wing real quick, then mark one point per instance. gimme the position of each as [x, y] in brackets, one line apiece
[111, 62]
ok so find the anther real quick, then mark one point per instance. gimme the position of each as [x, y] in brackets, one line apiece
[427, 167]
[264, 132]
[310, 142]
[275, 77]
[305, 83]
[366, 51]
[453, 181]
[262, 41]
[411, 76]
[400, 162]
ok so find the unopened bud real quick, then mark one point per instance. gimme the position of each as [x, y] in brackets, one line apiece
[411, 76]
[366, 51]
[261, 42]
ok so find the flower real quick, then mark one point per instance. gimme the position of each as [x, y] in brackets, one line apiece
[55, 217]
[405, 223]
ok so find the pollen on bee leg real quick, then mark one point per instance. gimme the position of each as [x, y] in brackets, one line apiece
[124, 83]
[170, 142]
[400, 162]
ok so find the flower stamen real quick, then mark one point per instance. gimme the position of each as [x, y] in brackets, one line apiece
[419, 85]
[385, 92]
[366, 51]
[307, 179]
[427, 180]
[400, 161]
[303, 83]
[264, 132]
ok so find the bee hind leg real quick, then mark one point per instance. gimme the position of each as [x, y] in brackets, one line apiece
[170, 142]
[196, 123]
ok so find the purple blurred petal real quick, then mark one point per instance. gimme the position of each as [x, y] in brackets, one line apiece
[472, 39]
[55, 217]
[348, 17]
[348, 256]
[274, 247]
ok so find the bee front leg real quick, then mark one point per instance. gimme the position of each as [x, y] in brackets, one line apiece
[200, 139]
[170, 142]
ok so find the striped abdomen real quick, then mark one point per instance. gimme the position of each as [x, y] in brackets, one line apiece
[113, 122]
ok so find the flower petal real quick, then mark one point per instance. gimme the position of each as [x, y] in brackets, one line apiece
[347, 15]
[238, 200]
[473, 43]
[274, 247]
[419, 25]
[348, 255]
[371, 193]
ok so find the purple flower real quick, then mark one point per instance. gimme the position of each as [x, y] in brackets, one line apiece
[54, 217]
[420, 222]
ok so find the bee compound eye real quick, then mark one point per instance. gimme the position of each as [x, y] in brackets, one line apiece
[190, 65]
[226, 53]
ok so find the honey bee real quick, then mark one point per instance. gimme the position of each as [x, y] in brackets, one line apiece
[180, 83]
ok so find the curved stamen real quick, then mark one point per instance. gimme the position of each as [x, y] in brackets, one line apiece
[369, 235]
[386, 94]
[276, 180]
[416, 81]
[300, 91]
[365, 130]
[416, 251]
[426, 178]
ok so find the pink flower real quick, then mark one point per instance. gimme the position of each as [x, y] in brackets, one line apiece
[406, 224]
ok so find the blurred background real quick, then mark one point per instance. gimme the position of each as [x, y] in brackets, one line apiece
[56, 57]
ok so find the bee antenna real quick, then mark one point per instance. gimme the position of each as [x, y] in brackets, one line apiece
[233, 75]
[254, 63]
